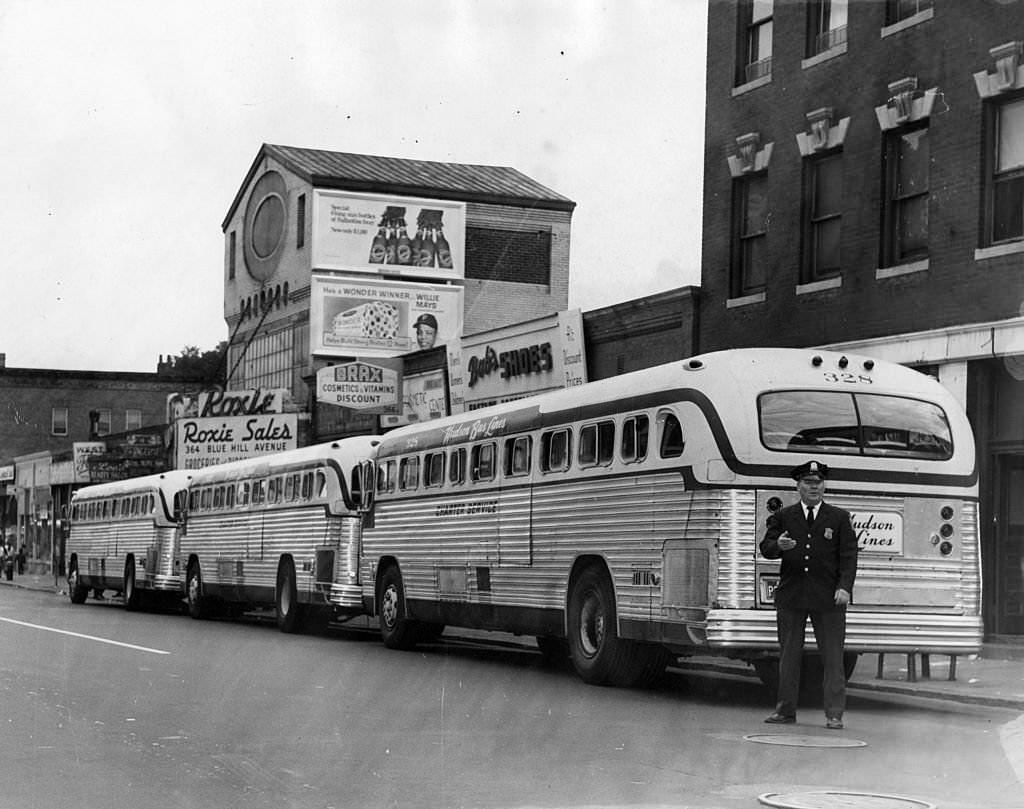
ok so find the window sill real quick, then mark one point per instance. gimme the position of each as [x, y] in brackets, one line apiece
[901, 269]
[997, 250]
[824, 56]
[819, 286]
[746, 300]
[751, 85]
[909, 22]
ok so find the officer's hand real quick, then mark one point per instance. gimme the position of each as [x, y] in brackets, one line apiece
[842, 597]
[786, 542]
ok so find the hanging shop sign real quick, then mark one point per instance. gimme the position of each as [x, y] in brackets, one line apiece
[370, 318]
[203, 442]
[423, 399]
[374, 387]
[241, 402]
[388, 235]
[520, 360]
[81, 452]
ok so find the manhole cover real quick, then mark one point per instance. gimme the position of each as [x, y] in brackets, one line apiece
[798, 740]
[827, 799]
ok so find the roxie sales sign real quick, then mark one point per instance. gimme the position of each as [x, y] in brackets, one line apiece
[208, 441]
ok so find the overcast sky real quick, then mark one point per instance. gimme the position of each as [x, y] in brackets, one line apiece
[128, 127]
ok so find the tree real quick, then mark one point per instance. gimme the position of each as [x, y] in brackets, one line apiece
[194, 365]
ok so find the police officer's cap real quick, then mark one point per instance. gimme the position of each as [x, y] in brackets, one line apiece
[810, 469]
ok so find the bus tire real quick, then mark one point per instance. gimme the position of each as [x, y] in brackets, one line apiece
[554, 651]
[647, 665]
[194, 602]
[132, 596]
[598, 654]
[76, 591]
[396, 629]
[287, 609]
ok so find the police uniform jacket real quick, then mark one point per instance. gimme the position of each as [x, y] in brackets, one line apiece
[824, 559]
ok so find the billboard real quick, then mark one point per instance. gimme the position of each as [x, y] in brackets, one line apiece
[374, 318]
[385, 234]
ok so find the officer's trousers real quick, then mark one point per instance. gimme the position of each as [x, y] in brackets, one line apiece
[830, 635]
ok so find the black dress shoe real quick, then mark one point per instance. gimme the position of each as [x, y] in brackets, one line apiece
[780, 719]
[833, 723]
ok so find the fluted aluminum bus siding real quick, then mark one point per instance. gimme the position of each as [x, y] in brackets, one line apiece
[259, 539]
[108, 545]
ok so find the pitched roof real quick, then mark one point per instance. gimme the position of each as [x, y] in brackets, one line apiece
[498, 185]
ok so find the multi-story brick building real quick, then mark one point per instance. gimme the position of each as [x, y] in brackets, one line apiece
[864, 188]
[318, 241]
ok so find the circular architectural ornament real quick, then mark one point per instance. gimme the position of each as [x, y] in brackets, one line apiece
[266, 222]
[802, 740]
[836, 799]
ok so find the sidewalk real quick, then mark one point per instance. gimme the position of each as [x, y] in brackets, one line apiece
[994, 678]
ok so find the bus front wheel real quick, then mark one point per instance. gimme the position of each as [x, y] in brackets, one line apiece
[598, 654]
[396, 629]
[132, 596]
[76, 591]
[194, 592]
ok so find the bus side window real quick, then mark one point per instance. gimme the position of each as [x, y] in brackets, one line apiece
[243, 493]
[409, 473]
[258, 491]
[320, 484]
[482, 462]
[218, 498]
[113, 508]
[385, 477]
[433, 469]
[355, 484]
[457, 466]
[672, 442]
[289, 488]
[193, 500]
[597, 444]
[634, 438]
[517, 456]
[229, 496]
[555, 450]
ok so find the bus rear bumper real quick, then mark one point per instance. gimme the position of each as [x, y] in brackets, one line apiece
[347, 597]
[164, 584]
[733, 631]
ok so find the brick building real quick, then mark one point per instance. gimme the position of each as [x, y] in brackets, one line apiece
[309, 227]
[43, 414]
[864, 189]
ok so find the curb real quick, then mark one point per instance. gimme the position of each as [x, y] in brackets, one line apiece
[902, 689]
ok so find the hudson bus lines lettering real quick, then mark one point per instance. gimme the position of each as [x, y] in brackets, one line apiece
[517, 362]
[878, 531]
[466, 509]
[471, 431]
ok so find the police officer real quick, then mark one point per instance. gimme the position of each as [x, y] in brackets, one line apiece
[818, 549]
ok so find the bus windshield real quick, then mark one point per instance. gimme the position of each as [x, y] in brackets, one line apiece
[854, 424]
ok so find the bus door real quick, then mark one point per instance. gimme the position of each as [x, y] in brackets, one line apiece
[515, 503]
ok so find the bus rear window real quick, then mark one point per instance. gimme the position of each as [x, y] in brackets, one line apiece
[854, 424]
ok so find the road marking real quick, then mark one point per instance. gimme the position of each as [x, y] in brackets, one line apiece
[86, 637]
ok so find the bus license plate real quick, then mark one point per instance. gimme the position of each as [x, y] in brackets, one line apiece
[768, 582]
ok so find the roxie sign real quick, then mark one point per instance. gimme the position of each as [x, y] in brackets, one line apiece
[218, 403]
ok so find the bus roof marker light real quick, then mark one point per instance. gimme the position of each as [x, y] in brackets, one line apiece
[816, 360]
[843, 362]
[869, 365]
[693, 365]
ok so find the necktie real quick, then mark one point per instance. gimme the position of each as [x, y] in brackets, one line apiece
[810, 516]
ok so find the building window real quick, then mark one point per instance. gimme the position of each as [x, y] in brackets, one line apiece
[522, 257]
[1006, 181]
[300, 222]
[907, 161]
[750, 218]
[755, 45]
[899, 10]
[826, 25]
[103, 423]
[59, 421]
[132, 419]
[823, 201]
[232, 248]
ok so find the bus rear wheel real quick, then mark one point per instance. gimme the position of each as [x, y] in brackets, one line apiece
[76, 591]
[287, 608]
[598, 654]
[132, 596]
[396, 629]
